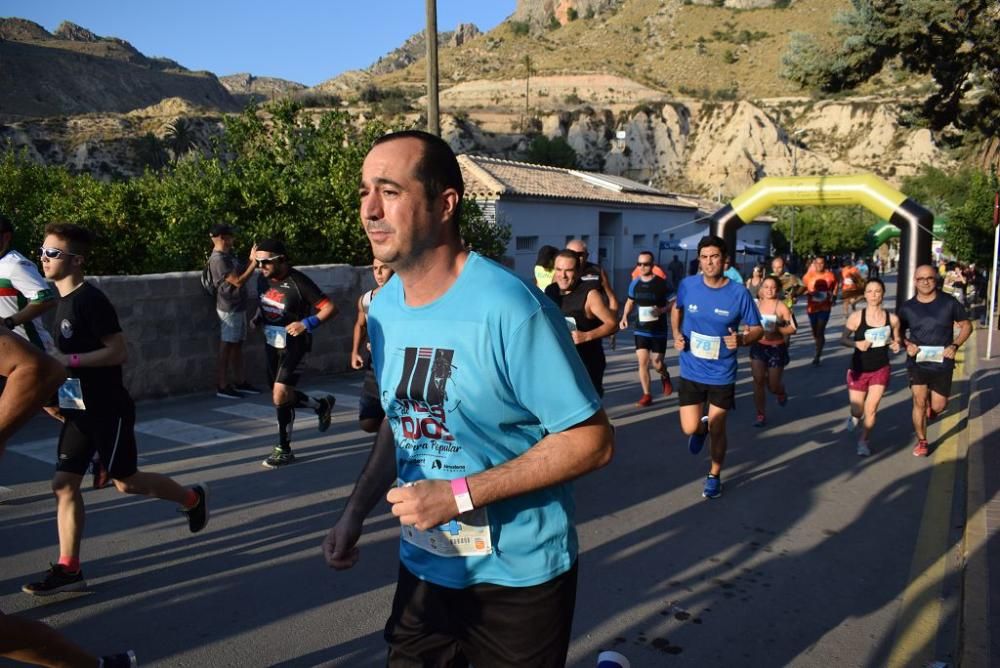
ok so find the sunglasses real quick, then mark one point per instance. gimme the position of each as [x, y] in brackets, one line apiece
[54, 253]
[269, 261]
[644, 264]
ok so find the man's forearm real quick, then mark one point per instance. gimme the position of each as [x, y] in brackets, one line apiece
[31, 379]
[556, 459]
[32, 311]
[377, 476]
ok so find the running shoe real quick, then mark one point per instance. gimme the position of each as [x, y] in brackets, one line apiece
[782, 399]
[646, 400]
[863, 449]
[668, 387]
[697, 441]
[123, 660]
[713, 487]
[228, 392]
[921, 449]
[246, 388]
[851, 424]
[324, 410]
[56, 581]
[198, 516]
[760, 421]
[279, 458]
[815, 361]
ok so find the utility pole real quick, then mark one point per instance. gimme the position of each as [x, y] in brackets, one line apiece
[431, 34]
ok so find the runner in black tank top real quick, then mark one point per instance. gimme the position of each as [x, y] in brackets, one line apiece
[871, 332]
[587, 316]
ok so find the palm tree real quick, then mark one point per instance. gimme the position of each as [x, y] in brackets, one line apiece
[180, 137]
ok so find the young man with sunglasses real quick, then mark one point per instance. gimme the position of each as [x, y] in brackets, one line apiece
[287, 301]
[230, 275]
[927, 322]
[651, 294]
[98, 412]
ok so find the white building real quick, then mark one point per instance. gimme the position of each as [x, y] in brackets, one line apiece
[617, 217]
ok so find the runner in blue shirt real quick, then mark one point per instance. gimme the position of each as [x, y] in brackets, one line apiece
[707, 316]
[479, 446]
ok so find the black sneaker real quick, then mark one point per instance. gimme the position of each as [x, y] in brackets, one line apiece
[56, 581]
[246, 388]
[324, 410]
[123, 660]
[228, 392]
[198, 516]
[279, 458]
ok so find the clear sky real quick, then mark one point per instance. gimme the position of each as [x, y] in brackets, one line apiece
[308, 41]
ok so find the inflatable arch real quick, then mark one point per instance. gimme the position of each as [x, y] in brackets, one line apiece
[867, 190]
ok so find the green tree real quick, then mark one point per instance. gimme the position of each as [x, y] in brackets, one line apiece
[953, 42]
[486, 238]
[555, 152]
[822, 230]
[964, 199]
[180, 137]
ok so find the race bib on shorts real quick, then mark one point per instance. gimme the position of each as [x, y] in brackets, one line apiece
[275, 336]
[571, 324]
[648, 314]
[769, 322]
[931, 354]
[705, 347]
[879, 336]
[468, 535]
[71, 395]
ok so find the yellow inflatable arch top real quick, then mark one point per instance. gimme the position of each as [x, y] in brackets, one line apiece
[867, 190]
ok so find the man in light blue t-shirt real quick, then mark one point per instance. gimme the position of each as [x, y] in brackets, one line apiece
[707, 317]
[480, 448]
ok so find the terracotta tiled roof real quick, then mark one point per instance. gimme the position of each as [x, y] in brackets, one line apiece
[491, 179]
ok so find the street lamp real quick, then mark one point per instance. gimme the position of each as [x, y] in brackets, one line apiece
[795, 172]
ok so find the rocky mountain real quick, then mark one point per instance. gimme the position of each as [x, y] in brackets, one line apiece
[245, 87]
[72, 71]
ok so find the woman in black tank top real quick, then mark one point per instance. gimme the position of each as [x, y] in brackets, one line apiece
[871, 332]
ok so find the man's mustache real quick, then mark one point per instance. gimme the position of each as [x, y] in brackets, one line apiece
[378, 226]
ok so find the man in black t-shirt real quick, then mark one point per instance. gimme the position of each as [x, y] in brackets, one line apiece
[229, 276]
[927, 322]
[651, 294]
[96, 409]
[287, 300]
[587, 316]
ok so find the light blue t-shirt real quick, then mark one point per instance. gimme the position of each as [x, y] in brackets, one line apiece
[468, 382]
[709, 313]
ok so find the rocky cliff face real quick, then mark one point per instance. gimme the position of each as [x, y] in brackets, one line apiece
[73, 71]
[245, 87]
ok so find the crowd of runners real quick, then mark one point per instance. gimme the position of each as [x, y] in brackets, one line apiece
[472, 449]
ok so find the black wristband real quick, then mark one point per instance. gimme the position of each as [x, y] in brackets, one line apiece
[9, 323]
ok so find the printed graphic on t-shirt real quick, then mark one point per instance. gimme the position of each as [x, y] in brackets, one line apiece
[420, 407]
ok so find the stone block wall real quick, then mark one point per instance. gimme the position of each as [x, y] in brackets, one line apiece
[172, 329]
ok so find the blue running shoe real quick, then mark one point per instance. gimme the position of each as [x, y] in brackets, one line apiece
[713, 487]
[697, 441]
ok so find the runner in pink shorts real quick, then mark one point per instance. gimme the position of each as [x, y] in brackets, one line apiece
[872, 332]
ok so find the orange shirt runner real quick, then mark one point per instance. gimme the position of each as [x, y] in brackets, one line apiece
[821, 287]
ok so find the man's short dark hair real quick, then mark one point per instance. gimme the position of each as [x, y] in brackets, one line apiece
[712, 241]
[79, 239]
[6, 225]
[437, 168]
[273, 246]
[649, 253]
[570, 255]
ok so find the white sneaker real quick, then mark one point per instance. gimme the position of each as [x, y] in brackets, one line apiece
[863, 450]
[852, 422]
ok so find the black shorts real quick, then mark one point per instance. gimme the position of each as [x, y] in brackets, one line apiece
[654, 344]
[690, 393]
[283, 363]
[370, 403]
[481, 625]
[109, 432]
[936, 381]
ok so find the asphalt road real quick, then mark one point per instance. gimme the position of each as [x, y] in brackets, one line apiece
[805, 560]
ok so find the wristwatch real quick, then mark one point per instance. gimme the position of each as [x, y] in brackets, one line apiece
[9, 323]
